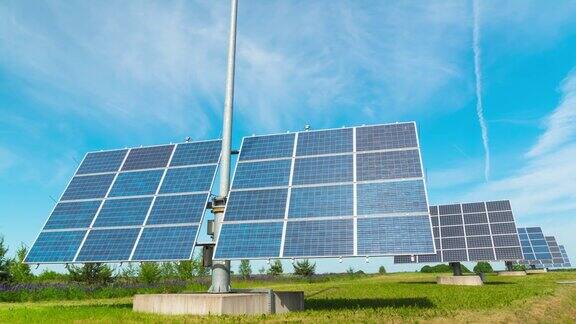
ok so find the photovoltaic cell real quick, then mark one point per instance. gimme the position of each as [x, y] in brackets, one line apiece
[177, 209]
[334, 193]
[325, 142]
[108, 245]
[190, 179]
[165, 243]
[123, 212]
[88, 187]
[249, 240]
[488, 233]
[100, 162]
[136, 183]
[55, 246]
[262, 174]
[77, 214]
[115, 196]
[148, 157]
[267, 147]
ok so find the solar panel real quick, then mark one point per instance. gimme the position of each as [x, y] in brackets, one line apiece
[480, 231]
[534, 246]
[557, 258]
[139, 204]
[565, 257]
[355, 191]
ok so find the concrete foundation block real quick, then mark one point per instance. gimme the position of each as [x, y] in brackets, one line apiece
[460, 280]
[220, 304]
[536, 271]
[512, 273]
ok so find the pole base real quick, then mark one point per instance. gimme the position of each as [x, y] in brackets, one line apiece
[512, 273]
[460, 280]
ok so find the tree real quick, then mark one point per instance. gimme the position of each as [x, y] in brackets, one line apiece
[262, 270]
[129, 272]
[275, 268]
[442, 268]
[304, 268]
[4, 261]
[245, 269]
[19, 271]
[90, 273]
[199, 269]
[150, 272]
[350, 270]
[51, 275]
[381, 270]
[185, 270]
[168, 270]
[483, 267]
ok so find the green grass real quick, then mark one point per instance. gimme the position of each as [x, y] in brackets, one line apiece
[393, 297]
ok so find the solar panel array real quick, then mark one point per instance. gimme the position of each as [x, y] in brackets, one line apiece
[139, 204]
[566, 263]
[481, 231]
[557, 258]
[534, 246]
[333, 193]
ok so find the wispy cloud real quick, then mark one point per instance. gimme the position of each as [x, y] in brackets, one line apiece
[478, 75]
[561, 124]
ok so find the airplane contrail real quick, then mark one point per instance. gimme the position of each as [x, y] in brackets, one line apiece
[478, 74]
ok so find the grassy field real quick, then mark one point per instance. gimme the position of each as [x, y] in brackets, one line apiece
[408, 297]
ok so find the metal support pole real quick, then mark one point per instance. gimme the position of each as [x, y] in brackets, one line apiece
[221, 269]
[456, 269]
[509, 265]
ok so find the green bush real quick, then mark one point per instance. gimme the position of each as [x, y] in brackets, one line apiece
[519, 267]
[150, 272]
[483, 267]
[304, 268]
[20, 272]
[90, 273]
[381, 270]
[4, 261]
[275, 268]
[442, 268]
[245, 269]
[50, 275]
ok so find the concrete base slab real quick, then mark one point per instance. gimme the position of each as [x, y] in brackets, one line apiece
[512, 273]
[536, 271]
[220, 304]
[460, 280]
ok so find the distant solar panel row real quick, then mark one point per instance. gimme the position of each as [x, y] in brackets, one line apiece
[483, 231]
[139, 204]
[344, 192]
[534, 246]
[557, 259]
[566, 263]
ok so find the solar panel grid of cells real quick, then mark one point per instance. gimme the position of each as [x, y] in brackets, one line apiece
[356, 191]
[479, 231]
[128, 205]
[534, 246]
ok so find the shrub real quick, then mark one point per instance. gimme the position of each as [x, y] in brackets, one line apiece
[442, 268]
[381, 270]
[519, 267]
[304, 268]
[275, 268]
[350, 270]
[150, 272]
[245, 269]
[483, 267]
[50, 275]
[185, 270]
[4, 261]
[262, 270]
[20, 272]
[168, 270]
[90, 273]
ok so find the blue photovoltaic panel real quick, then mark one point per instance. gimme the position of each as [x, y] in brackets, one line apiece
[207, 152]
[315, 186]
[482, 231]
[165, 243]
[148, 157]
[177, 209]
[386, 137]
[77, 214]
[191, 179]
[325, 142]
[262, 174]
[105, 209]
[136, 183]
[392, 197]
[394, 235]
[321, 201]
[319, 238]
[565, 257]
[557, 259]
[100, 162]
[534, 247]
[389, 165]
[123, 212]
[325, 169]
[256, 205]
[267, 147]
[88, 187]
[55, 246]
[108, 245]
[249, 240]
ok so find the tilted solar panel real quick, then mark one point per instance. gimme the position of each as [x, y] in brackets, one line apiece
[534, 246]
[481, 231]
[566, 263]
[344, 192]
[140, 204]
[557, 258]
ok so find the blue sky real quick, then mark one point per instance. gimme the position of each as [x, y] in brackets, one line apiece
[81, 76]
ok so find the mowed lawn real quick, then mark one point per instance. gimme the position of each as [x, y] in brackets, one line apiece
[407, 297]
